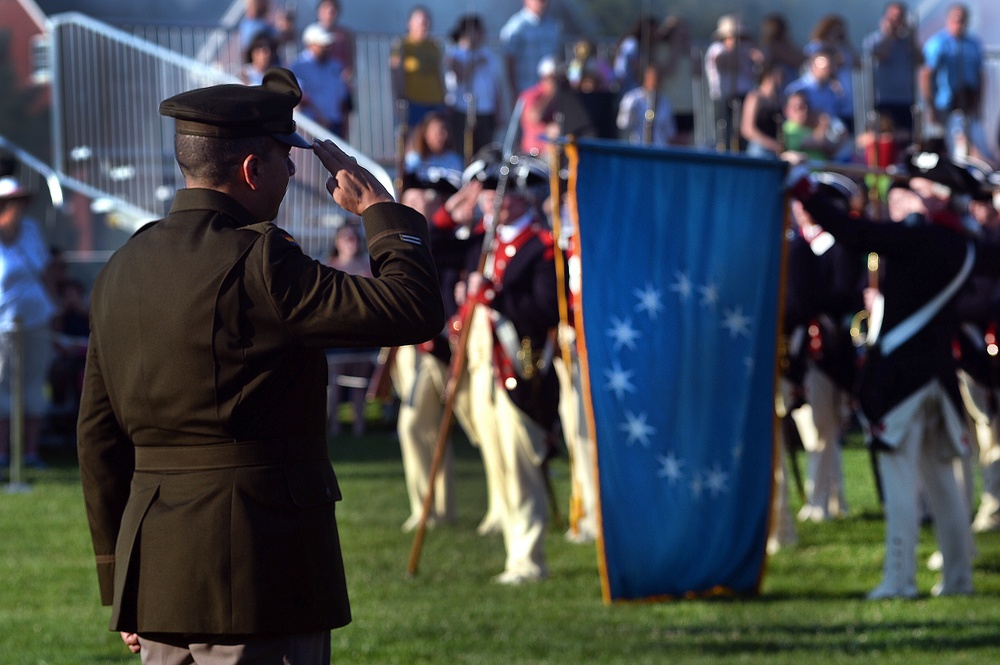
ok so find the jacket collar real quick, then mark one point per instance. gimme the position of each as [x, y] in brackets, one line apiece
[209, 199]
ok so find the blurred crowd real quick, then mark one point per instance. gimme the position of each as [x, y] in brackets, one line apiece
[736, 89]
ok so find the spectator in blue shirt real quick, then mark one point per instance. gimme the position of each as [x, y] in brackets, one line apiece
[324, 92]
[951, 83]
[822, 88]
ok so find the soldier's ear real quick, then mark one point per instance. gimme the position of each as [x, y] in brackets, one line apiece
[250, 171]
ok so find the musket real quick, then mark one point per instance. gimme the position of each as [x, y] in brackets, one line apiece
[793, 444]
[468, 139]
[735, 112]
[912, 21]
[456, 371]
[855, 171]
[871, 116]
[649, 117]
[859, 327]
[700, 137]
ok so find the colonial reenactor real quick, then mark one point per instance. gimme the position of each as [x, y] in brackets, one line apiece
[977, 310]
[909, 393]
[824, 290]
[202, 429]
[513, 391]
[421, 373]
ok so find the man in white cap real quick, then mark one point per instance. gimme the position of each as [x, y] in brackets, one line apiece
[24, 304]
[729, 63]
[324, 90]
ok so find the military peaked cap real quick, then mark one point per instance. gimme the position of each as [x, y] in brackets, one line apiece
[238, 111]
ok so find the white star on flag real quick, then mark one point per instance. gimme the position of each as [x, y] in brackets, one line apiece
[619, 380]
[736, 322]
[637, 429]
[715, 480]
[623, 333]
[670, 468]
[649, 300]
[738, 451]
[682, 286]
[709, 294]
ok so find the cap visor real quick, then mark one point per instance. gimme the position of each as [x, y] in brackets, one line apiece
[293, 140]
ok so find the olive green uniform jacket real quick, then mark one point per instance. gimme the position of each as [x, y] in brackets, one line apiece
[202, 429]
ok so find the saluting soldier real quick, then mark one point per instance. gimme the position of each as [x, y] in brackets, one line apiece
[909, 391]
[513, 391]
[202, 430]
[825, 281]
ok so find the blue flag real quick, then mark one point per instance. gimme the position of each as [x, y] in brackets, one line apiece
[680, 261]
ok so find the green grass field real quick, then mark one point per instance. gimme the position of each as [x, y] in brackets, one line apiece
[811, 609]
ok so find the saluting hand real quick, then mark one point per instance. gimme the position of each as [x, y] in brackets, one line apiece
[353, 187]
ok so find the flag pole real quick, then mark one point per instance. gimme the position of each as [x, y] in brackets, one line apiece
[562, 297]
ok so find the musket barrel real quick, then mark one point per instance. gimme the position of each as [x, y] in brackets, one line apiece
[855, 171]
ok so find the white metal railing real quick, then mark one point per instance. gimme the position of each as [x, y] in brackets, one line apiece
[218, 46]
[108, 136]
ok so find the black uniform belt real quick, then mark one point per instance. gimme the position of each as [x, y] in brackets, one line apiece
[197, 457]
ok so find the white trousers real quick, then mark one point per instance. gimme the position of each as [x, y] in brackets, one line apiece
[420, 380]
[987, 428]
[512, 446]
[924, 458]
[821, 422]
